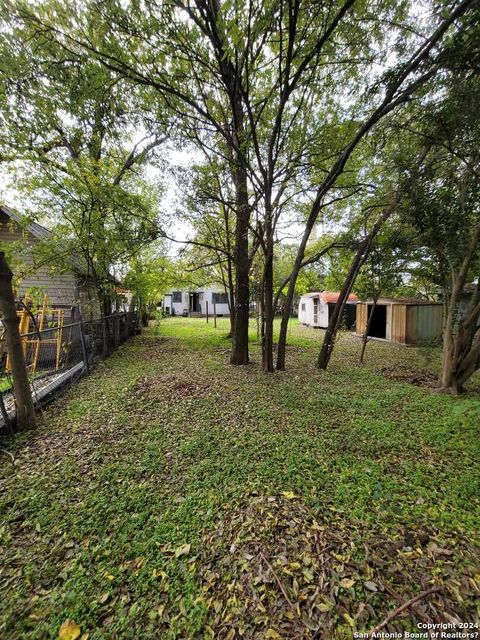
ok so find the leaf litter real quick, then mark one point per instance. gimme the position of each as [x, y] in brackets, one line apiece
[275, 568]
[254, 565]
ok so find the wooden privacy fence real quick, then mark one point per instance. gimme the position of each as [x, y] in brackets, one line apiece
[57, 354]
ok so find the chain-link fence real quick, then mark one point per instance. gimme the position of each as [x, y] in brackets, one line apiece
[58, 355]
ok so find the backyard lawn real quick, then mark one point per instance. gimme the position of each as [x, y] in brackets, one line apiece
[170, 495]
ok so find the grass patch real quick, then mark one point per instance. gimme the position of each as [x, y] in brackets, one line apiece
[149, 502]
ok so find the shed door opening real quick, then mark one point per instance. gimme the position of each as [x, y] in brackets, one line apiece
[349, 316]
[315, 310]
[378, 326]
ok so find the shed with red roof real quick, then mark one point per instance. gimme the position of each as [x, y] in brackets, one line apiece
[315, 308]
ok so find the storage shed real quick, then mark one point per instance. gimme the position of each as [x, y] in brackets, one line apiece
[314, 309]
[402, 320]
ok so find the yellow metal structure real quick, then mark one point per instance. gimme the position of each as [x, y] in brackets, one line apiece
[32, 343]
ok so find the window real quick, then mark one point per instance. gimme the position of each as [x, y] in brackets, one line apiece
[303, 306]
[219, 298]
[176, 296]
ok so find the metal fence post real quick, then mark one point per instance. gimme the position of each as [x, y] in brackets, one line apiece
[104, 336]
[6, 419]
[206, 306]
[116, 330]
[83, 341]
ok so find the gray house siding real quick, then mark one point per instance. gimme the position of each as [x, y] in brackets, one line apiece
[65, 289]
[60, 287]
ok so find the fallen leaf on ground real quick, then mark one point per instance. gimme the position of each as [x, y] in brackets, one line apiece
[184, 550]
[346, 583]
[69, 630]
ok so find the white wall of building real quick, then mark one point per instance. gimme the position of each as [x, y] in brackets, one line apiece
[204, 296]
[306, 312]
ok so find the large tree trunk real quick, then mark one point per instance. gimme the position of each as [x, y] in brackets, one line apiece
[358, 261]
[447, 374]
[242, 267]
[469, 365]
[231, 307]
[239, 353]
[460, 358]
[461, 340]
[268, 311]
[21, 386]
[267, 285]
[231, 77]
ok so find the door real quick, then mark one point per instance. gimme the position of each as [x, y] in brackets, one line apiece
[194, 303]
[316, 302]
[378, 325]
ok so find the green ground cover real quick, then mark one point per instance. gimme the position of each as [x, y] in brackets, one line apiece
[170, 495]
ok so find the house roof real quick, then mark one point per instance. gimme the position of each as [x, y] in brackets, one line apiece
[42, 233]
[34, 228]
[214, 289]
[406, 301]
[329, 296]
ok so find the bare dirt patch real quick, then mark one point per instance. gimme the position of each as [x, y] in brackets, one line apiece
[171, 387]
[401, 373]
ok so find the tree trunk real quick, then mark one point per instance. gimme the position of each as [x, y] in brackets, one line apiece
[367, 330]
[239, 353]
[231, 294]
[242, 267]
[447, 375]
[469, 365]
[358, 261]
[21, 386]
[334, 322]
[461, 341]
[267, 285]
[268, 311]
[282, 339]
[231, 77]
[229, 284]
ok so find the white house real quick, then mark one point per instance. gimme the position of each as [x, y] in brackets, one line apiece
[314, 309]
[196, 302]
